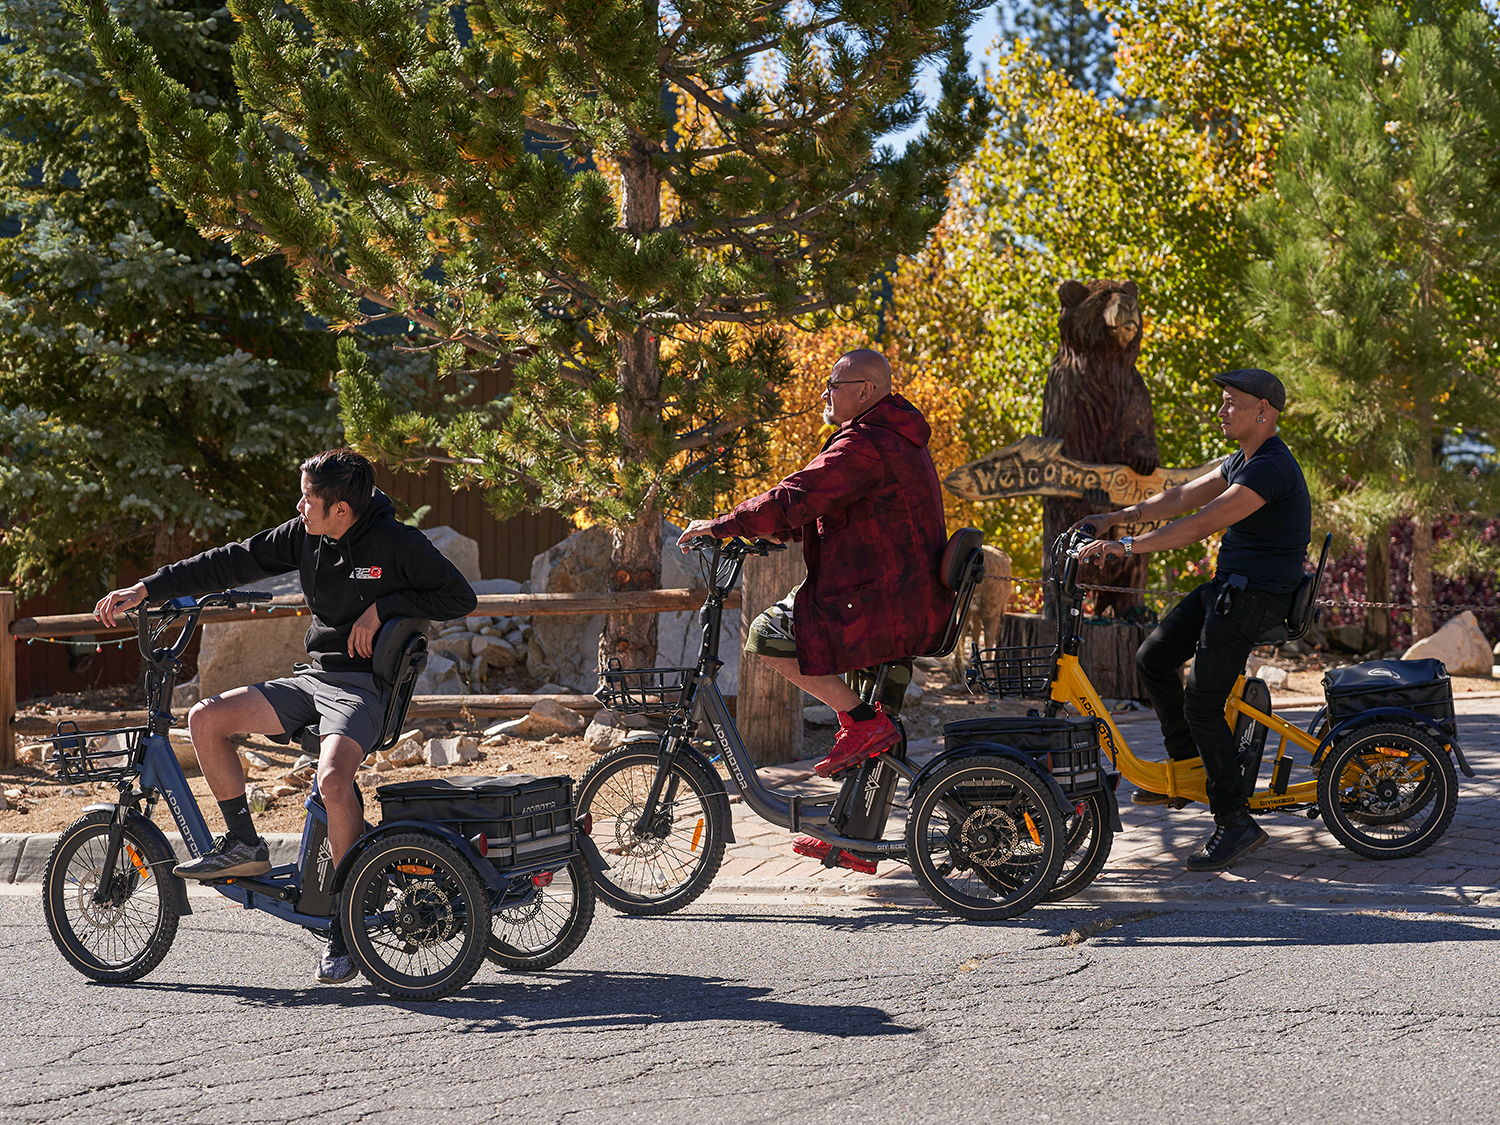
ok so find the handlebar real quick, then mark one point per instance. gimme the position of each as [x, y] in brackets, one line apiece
[735, 547]
[191, 608]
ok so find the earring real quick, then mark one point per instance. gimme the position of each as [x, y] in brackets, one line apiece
[1260, 417]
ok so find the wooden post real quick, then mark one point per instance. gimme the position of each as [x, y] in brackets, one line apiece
[7, 680]
[769, 710]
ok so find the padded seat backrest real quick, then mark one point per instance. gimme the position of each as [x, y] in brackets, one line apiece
[961, 570]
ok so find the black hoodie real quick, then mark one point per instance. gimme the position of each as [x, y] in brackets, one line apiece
[379, 560]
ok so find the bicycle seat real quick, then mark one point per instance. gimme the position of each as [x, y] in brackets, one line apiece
[961, 571]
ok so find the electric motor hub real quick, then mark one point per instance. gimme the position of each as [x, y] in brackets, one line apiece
[423, 914]
[990, 836]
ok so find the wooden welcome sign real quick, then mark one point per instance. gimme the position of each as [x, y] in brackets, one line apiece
[1036, 466]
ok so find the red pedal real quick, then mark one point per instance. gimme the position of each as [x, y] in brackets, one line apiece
[857, 863]
[806, 845]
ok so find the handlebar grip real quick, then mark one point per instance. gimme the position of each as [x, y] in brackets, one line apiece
[247, 596]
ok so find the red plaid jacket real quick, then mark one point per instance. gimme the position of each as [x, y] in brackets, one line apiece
[870, 516]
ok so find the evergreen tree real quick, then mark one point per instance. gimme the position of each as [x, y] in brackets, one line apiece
[1378, 292]
[153, 388]
[593, 192]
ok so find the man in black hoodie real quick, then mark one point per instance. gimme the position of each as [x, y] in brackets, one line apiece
[359, 566]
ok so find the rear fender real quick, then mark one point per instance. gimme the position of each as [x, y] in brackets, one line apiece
[1446, 740]
[487, 872]
[148, 828]
[996, 750]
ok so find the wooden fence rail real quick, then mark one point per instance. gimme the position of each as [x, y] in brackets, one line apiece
[490, 605]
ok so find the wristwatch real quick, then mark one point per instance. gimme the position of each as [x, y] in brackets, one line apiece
[1128, 542]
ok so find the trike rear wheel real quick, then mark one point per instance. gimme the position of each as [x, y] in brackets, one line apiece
[415, 916]
[124, 936]
[984, 838]
[1387, 790]
[676, 857]
[1088, 837]
[548, 925]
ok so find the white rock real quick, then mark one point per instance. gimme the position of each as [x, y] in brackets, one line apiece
[555, 689]
[914, 692]
[601, 738]
[457, 646]
[72, 791]
[285, 789]
[440, 677]
[496, 586]
[547, 717]
[460, 550]
[1460, 645]
[407, 752]
[248, 652]
[820, 715]
[304, 761]
[185, 695]
[1272, 675]
[451, 751]
[4, 802]
[295, 780]
[256, 758]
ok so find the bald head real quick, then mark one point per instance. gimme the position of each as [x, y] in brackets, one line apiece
[867, 364]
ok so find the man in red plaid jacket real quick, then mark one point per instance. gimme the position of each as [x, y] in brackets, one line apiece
[869, 512]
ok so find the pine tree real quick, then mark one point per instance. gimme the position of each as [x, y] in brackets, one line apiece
[1378, 292]
[1072, 35]
[591, 192]
[153, 388]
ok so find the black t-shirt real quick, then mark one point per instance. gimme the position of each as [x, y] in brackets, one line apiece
[1269, 545]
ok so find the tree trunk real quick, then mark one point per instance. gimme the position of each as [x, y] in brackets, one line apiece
[635, 558]
[769, 709]
[1421, 540]
[1378, 589]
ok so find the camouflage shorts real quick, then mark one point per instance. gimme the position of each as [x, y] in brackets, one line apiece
[773, 633]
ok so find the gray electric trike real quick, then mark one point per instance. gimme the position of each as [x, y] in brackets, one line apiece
[461, 869]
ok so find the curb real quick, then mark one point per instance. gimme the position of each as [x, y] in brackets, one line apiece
[23, 856]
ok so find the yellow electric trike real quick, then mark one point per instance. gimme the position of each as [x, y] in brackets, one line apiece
[1383, 776]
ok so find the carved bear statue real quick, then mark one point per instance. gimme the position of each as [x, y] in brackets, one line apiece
[1097, 402]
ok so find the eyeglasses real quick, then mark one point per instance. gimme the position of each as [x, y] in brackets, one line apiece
[831, 384]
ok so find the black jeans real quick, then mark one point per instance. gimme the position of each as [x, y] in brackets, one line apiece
[1192, 721]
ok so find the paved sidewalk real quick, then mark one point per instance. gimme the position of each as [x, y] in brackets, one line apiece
[1303, 863]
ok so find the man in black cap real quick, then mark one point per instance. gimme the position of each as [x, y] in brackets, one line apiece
[1259, 499]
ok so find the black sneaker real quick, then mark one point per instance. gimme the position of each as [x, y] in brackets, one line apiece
[1147, 797]
[335, 967]
[231, 858]
[1232, 840]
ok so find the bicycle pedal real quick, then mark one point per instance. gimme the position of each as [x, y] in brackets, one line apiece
[813, 848]
[857, 863]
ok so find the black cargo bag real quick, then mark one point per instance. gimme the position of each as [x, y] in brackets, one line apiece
[527, 820]
[1417, 685]
[1068, 749]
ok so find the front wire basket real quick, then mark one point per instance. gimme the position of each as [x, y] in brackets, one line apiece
[1024, 672]
[641, 691]
[95, 755]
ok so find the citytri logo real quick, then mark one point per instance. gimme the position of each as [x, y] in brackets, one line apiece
[367, 572]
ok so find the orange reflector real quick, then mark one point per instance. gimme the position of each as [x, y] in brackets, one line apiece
[140, 864]
[1392, 752]
[1036, 837]
[697, 836]
[542, 879]
[413, 869]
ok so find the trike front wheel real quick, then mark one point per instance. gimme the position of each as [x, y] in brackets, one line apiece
[665, 864]
[1387, 790]
[984, 838]
[1087, 839]
[415, 916]
[548, 924]
[123, 933]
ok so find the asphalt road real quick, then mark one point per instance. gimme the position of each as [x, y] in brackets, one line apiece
[805, 1013]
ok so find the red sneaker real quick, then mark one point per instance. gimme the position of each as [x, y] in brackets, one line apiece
[819, 849]
[857, 741]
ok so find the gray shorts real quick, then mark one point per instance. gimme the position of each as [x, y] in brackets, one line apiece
[346, 703]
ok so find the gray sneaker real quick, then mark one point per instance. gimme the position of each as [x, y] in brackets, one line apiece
[335, 966]
[231, 858]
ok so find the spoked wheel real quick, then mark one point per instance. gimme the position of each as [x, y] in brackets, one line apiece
[124, 933]
[1087, 839]
[415, 916]
[984, 838]
[546, 926]
[665, 864]
[1387, 790]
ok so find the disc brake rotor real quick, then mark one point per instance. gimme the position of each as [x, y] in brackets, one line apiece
[1381, 788]
[422, 914]
[627, 843]
[101, 916]
[990, 836]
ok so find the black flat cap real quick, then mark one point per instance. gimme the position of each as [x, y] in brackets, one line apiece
[1254, 381]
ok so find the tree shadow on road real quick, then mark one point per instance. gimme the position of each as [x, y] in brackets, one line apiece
[1263, 928]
